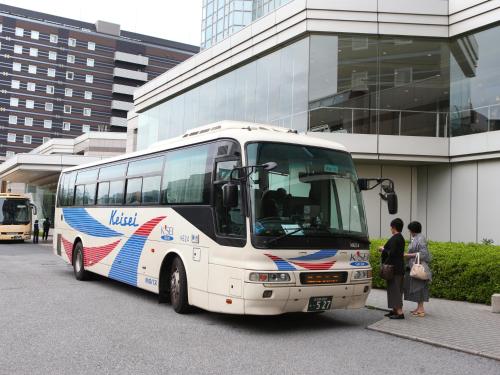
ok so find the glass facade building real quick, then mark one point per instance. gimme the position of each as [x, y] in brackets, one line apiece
[409, 86]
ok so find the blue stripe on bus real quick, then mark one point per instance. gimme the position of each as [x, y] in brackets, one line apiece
[125, 265]
[322, 254]
[79, 219]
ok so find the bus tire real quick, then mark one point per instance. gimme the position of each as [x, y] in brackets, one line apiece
[179, 287]
[78, 265]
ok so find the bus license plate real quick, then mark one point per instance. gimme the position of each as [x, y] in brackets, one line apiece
[319, 303]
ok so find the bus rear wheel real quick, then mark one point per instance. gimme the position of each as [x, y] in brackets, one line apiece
[78, 265]
[178, 287]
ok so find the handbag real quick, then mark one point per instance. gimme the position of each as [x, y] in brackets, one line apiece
[418, 270]
[387, 271]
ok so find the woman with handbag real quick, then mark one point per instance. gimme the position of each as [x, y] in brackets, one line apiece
[392, 269]
[418, 274]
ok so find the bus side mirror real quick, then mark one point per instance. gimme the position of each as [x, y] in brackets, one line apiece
[230, 195]
[363, 184]
[392, 203]
[33, 208]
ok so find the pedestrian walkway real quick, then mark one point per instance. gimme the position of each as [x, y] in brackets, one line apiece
[468, 327]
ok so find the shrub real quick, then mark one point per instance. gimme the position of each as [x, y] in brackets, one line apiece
[462, 272]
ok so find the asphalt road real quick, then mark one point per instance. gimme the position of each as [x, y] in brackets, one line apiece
[52, 324]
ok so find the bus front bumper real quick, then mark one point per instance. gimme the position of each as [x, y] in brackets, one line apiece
[14, 236]
[285, 299]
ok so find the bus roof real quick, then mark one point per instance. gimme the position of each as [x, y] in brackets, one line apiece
[12, 195]
[243, 132]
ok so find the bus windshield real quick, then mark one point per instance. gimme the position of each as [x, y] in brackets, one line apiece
[311, 196]
[14, 211]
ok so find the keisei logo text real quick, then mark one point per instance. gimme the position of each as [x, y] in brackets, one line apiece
[167, 233]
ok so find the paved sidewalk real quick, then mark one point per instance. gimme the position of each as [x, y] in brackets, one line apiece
[468, 327]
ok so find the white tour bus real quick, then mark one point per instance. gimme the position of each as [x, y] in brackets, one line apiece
[231, 217]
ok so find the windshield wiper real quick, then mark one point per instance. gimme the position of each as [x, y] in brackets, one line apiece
[283, 236]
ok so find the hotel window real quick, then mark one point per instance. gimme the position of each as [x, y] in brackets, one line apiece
[66, 126]
[32, 69]
[102, 128]
[9, 154]
[88, 95]
[27, 139]
[31, 86]
[53, 38]
[30, 104]
[67, 108]
[70, 76]
[51, 72]
[35, 34]
[15, 84]
[0, 45]
[70, 59]
[28, 121]
[11, 137]
[403, 76]
[85, 128]
[16, 67]
[87, 112]
[18, 49]
[34, 52]
[47, 124]
[14, 102]
[12, 120]
[91, 46]
[19, 31]
[1, 27]
[49, 89]
[72, 42]
[49, 107]
[89, 78]
[52, 55]
[90, 62]
[45, 139]
[68, 92]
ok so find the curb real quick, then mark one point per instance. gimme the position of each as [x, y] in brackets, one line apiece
[377, 308]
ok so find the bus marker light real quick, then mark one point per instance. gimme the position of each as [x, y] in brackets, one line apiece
[152, 250]
[229, 301]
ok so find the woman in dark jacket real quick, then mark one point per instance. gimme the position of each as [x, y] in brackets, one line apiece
[393, 253]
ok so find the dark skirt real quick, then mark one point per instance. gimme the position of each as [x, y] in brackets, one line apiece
[416, 290]
[395, 292]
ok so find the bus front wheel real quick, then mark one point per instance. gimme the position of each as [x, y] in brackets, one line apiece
[78, 266]
[178, 287]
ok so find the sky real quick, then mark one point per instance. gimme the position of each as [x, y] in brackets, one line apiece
[177, 20]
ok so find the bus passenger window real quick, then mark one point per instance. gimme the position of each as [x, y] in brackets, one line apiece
[133, 195]
[89, 195]
[79, 192]
[103, 193]
[151, 190]
[116, 192]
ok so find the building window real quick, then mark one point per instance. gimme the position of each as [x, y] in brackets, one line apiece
[66, 126]
[34, 52]
[12, 120]
[1, 27]
[35, 34]
[19, 31]
[90, 62]
[67, 108]
[87, 112]
[89, 78]
[68, 92]
[31, 86]
[45, 139]
[70, 76]
[102, 128]
[72, 42]
[32, 69]
[30, 104]
[49, 107]
[53, 38]
[18, 49]
[91, 46]
[28, 121]
[14, 102]
[27, 139]
[51, 72]
[16, 67]
[15, 84]
[49, 89]
[70, 59]
[88, 95]
[9, 154]
[403, 76]
[47, 124]
[85, 128]
[52, 55]
[11, 137]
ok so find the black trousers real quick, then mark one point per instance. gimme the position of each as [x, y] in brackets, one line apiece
[35, 237]
[45, 234]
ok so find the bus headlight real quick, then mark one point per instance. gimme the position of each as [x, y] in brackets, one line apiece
[361, 274]
[275, 277]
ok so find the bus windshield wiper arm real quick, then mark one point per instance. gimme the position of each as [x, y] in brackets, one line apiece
[283, 236]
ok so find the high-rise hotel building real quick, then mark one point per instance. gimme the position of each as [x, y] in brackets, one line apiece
[61, 77]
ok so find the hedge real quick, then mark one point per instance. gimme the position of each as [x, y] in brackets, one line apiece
[461, 272]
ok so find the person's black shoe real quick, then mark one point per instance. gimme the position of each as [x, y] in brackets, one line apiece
[397, 316]
[389, 314]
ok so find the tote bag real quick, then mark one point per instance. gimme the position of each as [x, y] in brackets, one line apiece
[418, 270]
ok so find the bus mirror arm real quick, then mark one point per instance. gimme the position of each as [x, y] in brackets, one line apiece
[33, 208]
[388, 194]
